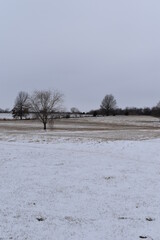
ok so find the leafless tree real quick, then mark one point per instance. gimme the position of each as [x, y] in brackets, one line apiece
[44, 104]
[158, 105]
[21, 105]
[155, 111]
[75, 110]
[108, 104]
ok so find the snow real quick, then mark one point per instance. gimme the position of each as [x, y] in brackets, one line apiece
[81, 190]
[6, 116]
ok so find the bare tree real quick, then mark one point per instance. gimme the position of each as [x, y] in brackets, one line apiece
[108, 104]
[21, 106]
[158, 105]
[155, 111]
[75, 110]
[44, 104]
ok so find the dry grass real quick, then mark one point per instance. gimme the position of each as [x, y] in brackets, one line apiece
[105, 128]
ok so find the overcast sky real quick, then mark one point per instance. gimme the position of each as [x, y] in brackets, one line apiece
[83, 48]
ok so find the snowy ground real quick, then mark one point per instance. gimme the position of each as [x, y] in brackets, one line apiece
[6, 116]
[73, 183]
[80, 190]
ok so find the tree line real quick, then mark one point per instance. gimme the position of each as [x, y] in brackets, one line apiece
[109, 107]
[4, 110]
[132, 111]
[44, 105]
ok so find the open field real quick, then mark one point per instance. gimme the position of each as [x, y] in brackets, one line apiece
[102, 128]
[72, 183]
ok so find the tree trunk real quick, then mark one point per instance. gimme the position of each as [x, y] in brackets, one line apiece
[21, 113]
[44, 125]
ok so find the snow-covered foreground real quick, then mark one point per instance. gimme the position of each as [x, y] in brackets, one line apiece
[80, 190]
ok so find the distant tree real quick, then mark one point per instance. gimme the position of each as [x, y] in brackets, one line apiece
[146, 111]
[155, 111]
[4, 110]
[44, 104]
[75, 110]
[108, 104]
[158, 105]
[126, 111]
[95, 113]
[21, 106]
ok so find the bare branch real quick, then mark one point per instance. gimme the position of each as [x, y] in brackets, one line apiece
[45, 103]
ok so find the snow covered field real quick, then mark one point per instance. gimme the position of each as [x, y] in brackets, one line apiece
[92, 190]
[73, 183]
